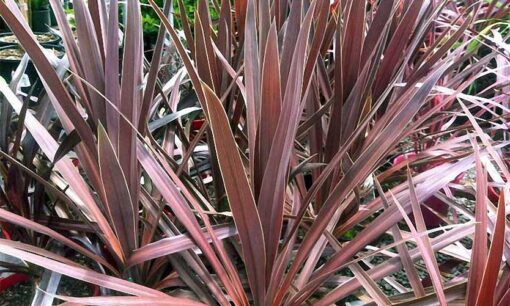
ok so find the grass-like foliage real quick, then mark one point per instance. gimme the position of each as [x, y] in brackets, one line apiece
[350, 150]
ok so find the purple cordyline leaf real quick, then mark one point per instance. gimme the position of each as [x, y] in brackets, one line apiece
[223, 257]
[127, 300]
[190, 68]
[48, 286]
[201, 97]
[330, 31]
[454, 294]
[395, 50]
[231, 72]
[224, 39]
[72, 51]
[271, 103]
[51, 80]
[479, 249]
[334, 131]
[272, 192]
[383, 16]
[352, 43]
[36, 250]
[111, 73]
[368, 283]
[304, 166]
[387, 219]
[29, 224]
[68, 143]
[5, 110]
[252, 81]
[190, 268]
[117, 193]
[407, 263]
[98, 14]
[279, 11]
[152, 75]
[394, 264]
[377, 204]
[195, 79]
[94, 67]
[289, 41]
[186, 28]
[501, 293]
[175, 94]
[240, 8]
[171, 245]
[430, 62]
[181, 210]
[490, 274]
[14, 190]
[208, 66]
[316, 253]
[424, 241]
[239, 195]
[264, 23]
[68, 171]
[285, 255]
[356, 101]
[485, 140]
[192, 73]
[132, 63]
[321, 22]
[14, 9]
[329, 168]
[68, 113]
[505, 300]
[131, 98]
[361, 169]
[81, 273]
[51, 189]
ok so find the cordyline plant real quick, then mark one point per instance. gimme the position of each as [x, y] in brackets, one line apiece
[353, 150]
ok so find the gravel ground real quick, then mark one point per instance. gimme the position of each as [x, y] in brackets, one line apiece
[19, 295]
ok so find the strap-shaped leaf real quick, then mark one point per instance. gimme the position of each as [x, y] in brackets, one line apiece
[117, 193]
[239, 195]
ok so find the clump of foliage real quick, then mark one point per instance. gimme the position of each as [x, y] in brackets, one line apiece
[39, 4]
[335, 154]
[151, 21]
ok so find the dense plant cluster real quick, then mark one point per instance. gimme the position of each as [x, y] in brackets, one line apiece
[303, 152]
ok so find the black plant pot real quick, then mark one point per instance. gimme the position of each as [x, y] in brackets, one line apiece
[8, 66]
[149, 42]
[53, 19]
[40, 20]
[3, 26]
[51, 42]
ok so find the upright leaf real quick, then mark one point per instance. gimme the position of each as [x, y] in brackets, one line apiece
[490, 273]
[240, 197]
[119, 206]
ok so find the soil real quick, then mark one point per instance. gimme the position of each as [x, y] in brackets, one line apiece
[41, 38]
[11, 54]
[20, 295]
[17, 53]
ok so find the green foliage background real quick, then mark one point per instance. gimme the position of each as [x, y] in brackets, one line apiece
[151, 21]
